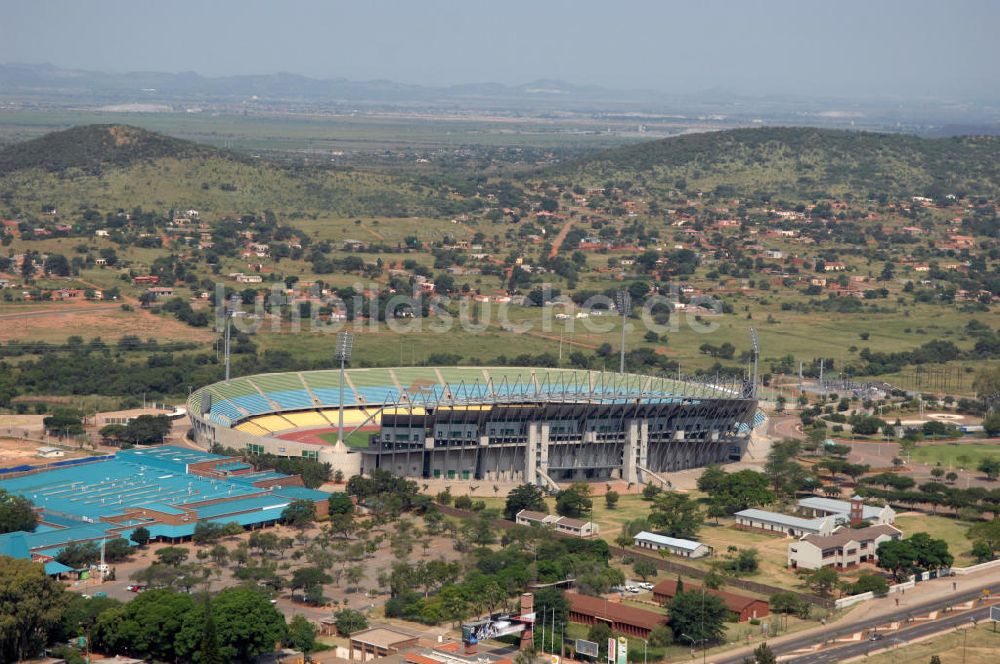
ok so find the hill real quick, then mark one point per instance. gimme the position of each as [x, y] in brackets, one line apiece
[120, 166]
[93, 148]
[798, 161]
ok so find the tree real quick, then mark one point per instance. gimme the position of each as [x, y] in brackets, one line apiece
[206, 532]
[743, 490]
[991, 467]
[248, 624]
[711, 479]
[611, 499]
[79, 555]
[762, 654]
[872, 583]
[140, 536]
[823, 580]
[574, 502]
[987, 535]
[524, 497]
[676, 515]
[147, 429]
[209, 651]
[644, 569]
[16, 513]
[350, 621]
[991, 424]
[31, 604]
[117, 550]
[599, 632]
[301, 634]
[340, 503]
[697, 615]
[148, 626]
[299, 513]
[172, 555]
[311, 580]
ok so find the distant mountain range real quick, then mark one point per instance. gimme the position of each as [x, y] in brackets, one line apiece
[281, 92]
[18, 78]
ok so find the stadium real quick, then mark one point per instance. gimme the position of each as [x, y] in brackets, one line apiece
[506, 424]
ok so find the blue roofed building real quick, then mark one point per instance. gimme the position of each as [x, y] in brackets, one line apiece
[166, 489]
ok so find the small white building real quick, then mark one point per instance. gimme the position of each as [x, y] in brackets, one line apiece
[847, 547]
[678, 547]
[562, 524]
[816, 506]
[49, 452]
[794, 526]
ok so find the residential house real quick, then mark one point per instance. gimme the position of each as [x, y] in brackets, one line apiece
[561, 524]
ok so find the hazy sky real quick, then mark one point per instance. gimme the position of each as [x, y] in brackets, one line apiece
[831, 47]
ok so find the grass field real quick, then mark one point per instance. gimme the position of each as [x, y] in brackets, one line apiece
[954, 455]
[975, 646]
[950, 530]
[356, 439]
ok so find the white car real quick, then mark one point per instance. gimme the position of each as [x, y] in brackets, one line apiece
[632, 589]
[646, 585]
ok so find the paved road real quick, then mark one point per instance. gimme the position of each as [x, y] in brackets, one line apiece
[894, 640]
[847, 629]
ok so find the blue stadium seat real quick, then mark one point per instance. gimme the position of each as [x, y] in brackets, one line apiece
[330, 396]
[253, 404]
[291, 399]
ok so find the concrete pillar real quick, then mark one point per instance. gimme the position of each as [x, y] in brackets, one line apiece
[530, 450]
[630, 473]
[543, 447]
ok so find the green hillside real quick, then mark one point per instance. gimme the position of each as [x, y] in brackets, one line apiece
[109, 166]
[95, 148]
[796, 161]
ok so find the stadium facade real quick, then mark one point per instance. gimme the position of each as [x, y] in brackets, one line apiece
[510, 424]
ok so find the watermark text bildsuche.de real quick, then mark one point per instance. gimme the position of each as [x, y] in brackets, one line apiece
[280, 309]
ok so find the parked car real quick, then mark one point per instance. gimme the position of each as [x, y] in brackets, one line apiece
[646, 585]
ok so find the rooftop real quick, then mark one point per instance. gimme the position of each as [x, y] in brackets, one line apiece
[732, 601]
[844, 535]
[602, 608]
[782, 519]
[688, 545]
[839, 506]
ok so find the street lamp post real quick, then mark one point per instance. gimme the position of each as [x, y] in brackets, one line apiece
[694, 644]
[345, 343]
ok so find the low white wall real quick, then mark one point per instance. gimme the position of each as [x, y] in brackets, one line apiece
[972, 569]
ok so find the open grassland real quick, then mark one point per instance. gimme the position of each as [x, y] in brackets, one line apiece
[973, 646]
[956, 455]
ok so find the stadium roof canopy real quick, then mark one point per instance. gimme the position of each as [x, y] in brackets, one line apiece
[431, 387]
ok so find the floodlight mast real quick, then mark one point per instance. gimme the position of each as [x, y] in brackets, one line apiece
[345, 343]
[624, 302]
[230, 308]
[755, 354]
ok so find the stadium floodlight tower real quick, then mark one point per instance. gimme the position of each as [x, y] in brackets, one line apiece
[623, 301]
[345, 343]
[231, 307]
[755, 350]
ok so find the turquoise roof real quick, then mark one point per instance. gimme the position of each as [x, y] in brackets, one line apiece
[54, 567]
[14, 545]
[301, 493]
[257, 503]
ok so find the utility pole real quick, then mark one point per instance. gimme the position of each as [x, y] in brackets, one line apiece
[345, 343]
